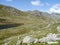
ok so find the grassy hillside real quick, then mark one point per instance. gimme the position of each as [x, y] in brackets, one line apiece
[23, 23]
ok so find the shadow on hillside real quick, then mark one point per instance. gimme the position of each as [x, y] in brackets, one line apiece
[9, 26]
[2, 20]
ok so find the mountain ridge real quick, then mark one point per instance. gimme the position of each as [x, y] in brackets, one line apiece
[35, 23]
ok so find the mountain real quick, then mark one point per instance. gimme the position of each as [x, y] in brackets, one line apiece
[14, 23]
[45, 15]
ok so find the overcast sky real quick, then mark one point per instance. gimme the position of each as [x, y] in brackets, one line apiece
[41, 5]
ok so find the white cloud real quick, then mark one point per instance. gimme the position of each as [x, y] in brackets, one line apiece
[55, 9]
[9, 0]
[36, 3]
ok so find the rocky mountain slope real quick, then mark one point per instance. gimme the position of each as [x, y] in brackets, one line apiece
[14, 23]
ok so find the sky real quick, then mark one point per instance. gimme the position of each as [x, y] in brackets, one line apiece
[50, 6]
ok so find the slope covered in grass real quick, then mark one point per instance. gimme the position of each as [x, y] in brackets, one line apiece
[29, 24]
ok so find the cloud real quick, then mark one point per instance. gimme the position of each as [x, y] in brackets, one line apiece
[54, 9]
[9, 0]
[36, 3]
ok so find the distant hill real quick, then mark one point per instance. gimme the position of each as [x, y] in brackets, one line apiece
[45, 15]
[7, 11]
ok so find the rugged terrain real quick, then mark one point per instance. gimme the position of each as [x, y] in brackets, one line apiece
[15, 23]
